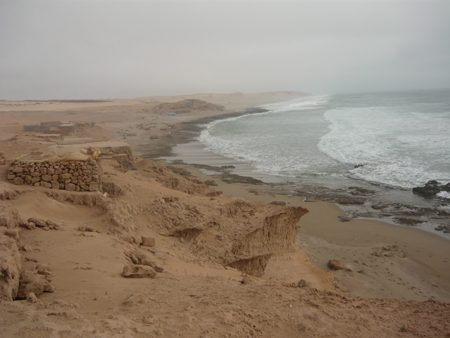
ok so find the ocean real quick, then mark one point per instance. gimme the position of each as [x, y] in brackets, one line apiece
[381, 144]
[398, 139]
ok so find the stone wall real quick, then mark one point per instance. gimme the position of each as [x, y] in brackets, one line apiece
[66, 175]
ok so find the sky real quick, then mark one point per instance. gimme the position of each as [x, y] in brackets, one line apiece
[75, 49]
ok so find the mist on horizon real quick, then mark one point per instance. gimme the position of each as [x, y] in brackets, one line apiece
[129, 49]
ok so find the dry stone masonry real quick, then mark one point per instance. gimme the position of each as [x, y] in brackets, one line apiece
[66, 175]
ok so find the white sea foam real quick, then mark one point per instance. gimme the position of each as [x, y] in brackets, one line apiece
[308, 102]
[397, 148]
[403, 144]
[269, 141]
[444, 194]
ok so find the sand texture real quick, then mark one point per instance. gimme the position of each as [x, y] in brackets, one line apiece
[159, 253]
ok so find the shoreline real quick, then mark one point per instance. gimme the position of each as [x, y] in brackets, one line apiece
[352, 201]
[397, 271]
[319, 226]
[327, 233]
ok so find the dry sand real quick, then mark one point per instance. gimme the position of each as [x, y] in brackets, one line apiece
[397, 281]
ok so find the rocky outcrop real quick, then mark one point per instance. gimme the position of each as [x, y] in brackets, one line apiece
[431, 189]
[10, 267]
[65, 175]
[10, 264]
[35, 281]
[276, 235]
[174, 181]
[186, 106]
[251, 252]
[138, 271]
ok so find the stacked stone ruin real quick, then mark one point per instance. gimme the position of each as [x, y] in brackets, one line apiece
[65, 175]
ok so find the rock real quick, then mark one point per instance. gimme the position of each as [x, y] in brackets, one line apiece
[335, 264]
[10, 266]
[32, 282]
[85, 229]
[278, 203]
[55, 184]
[138, 258]
[26, 248]
[128, 238]
[31, 297]
[247, 280]
[137, 239]
[389, 251]
[48, 287]
[70, 187]
[43, 269]
[18, 181]
[302, 283]
[211, 183]
[28, 225]
[12, 233]
[344, 219]
[52, 225]
[138, 271]
[93, 186]
[46, 178]
[431, 189]
[407, 221]
[148, 241]
[46, 184]
[38, 222]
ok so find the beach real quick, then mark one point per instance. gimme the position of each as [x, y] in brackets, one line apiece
[385, 267]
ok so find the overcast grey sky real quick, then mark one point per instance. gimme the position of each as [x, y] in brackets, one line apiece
[125, 49]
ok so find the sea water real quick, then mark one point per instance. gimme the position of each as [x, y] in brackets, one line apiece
[395, 139]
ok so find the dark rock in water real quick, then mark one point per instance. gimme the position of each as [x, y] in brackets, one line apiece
[232, 178]
[407, 221]
[431, 189]
[278, 203]
[442, 227]
[211, 183]
[256, 110]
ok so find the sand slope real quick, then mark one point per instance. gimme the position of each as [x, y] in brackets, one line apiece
[224, 266]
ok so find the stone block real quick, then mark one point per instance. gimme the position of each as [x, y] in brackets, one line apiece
[148, 241]
[18, 181]
[46, 178]
[46, 184]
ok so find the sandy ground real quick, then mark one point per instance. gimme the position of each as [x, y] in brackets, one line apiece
[396, 281]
